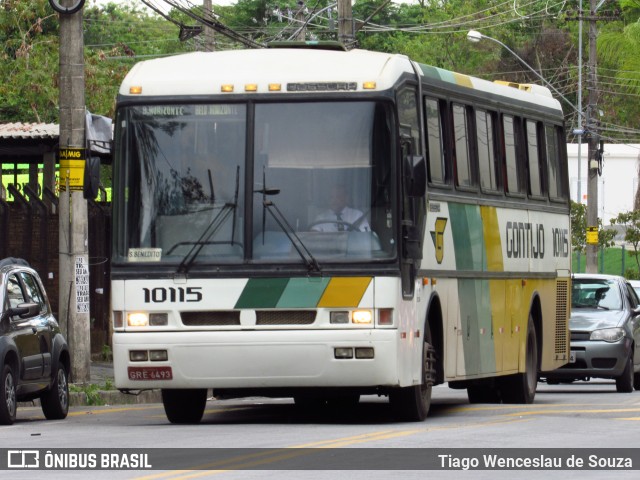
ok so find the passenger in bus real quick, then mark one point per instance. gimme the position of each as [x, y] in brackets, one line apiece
[339, 217]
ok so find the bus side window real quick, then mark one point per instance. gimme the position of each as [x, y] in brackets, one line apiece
[464, 173]
[534, 160]
[487, 158]
[435, 151]
[513, 164]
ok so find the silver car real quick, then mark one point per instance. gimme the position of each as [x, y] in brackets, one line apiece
[605, 332]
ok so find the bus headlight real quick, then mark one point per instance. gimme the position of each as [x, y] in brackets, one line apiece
[362, 316]
[138, 319]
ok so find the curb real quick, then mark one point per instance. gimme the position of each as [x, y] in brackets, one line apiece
[105, 397]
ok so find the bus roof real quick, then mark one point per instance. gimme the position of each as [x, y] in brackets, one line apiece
[205, 73]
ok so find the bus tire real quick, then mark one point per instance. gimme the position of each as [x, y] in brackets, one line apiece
[184, 406]
[521, 387]
[411, 404]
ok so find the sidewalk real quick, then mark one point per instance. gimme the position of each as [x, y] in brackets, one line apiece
[101, 390]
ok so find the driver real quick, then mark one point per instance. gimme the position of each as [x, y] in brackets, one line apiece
[339, 217]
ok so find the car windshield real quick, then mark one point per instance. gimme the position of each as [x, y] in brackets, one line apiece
[595, 293]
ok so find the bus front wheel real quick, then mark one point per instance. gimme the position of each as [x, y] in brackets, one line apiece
[184, 406]
[412, 404]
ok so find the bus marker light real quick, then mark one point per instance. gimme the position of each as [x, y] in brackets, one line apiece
[226, 88]
[339, 317]
[361, 316]
[137, 319]
[369, 85]
[135, 90]
[343, 352]
[251, 87]
[433, 281]
[158, 355]
[275, 87]
[138, 355]
[425, 281]
[364, 352]
[118, 321]
[385, 316]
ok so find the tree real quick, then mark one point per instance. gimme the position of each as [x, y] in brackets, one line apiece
[630, 221]
[579, 229]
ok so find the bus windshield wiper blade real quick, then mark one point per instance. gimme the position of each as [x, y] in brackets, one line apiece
[213, 227]
[290, 232]
[208, 232]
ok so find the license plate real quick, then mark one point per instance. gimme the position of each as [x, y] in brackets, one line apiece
[572, 357]
[150, 373]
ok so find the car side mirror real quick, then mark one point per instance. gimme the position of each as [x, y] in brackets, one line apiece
[24, 310]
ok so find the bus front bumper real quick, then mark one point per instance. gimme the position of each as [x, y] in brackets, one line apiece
[257, 359]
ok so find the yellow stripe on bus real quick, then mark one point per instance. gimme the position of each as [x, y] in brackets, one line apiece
[344, 292]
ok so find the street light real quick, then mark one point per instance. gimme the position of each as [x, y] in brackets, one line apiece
[474, 36]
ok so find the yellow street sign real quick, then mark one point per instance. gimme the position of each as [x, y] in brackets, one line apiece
[71, 168]
[592, 235]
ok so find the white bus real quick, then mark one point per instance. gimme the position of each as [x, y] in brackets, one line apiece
[232, 271]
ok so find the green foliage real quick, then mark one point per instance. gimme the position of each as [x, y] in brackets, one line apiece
[579, 230]
[630, 221]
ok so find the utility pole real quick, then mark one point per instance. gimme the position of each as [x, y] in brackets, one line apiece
[301, 32]
[593, 139]
[345, 23]
[209, 33]
[73, 311]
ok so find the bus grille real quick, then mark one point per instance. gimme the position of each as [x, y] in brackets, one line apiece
[285, 317]
[210, 319]
[561, 316]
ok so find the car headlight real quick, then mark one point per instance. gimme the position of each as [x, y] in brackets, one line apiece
[610, 335]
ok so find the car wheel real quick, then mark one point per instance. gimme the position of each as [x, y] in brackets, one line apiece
[521, 387]
[8, 398]
[624, 383]
[55, 401]
[184, 406]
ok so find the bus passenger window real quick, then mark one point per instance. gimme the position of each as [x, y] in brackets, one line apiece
[486, 152]
[513, 183]
[464, 174]
[535, 178]
[437, 173]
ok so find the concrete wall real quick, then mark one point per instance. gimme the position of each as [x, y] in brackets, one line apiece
[617, 185]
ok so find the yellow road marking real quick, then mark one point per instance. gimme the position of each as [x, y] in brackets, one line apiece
[275, 455]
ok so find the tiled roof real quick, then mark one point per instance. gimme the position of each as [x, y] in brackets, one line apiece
[29, 130]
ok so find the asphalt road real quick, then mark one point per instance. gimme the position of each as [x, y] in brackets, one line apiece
[580, 415]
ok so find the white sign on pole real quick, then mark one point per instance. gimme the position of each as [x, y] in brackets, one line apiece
[82, 285]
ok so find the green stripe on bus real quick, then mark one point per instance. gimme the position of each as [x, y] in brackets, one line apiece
[262, 293]
[303, 292]
[475, 319]
[468, 240]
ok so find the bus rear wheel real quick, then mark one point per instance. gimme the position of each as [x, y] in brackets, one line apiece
[184, 406]
[521, 387]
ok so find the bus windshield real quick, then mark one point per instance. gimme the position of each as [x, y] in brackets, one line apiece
[314, 181]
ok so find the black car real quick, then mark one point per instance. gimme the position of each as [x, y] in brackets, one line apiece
[34, 356]
[605, 332]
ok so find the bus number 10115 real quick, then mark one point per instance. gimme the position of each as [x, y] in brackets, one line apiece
[171, 294]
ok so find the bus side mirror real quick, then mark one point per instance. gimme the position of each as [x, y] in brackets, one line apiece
[415, 175]
[91, 177]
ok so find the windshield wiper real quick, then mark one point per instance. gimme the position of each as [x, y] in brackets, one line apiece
[285, 226]
[211, 230]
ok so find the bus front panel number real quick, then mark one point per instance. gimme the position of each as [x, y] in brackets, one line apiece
[171, 294]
